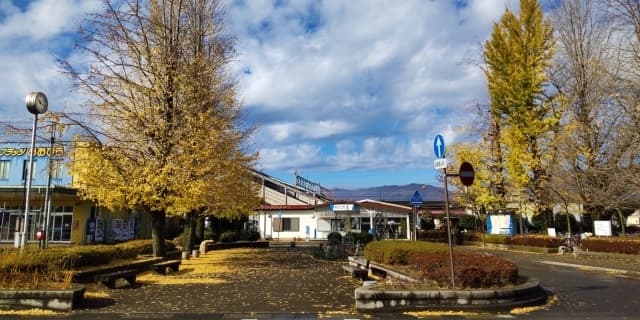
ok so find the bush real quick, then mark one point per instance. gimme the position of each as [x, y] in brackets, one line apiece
[472, 236]
[614, 245]
[433, 235]
[534, 241]
[362, 237]
[50, 264]
[468, 222]
[398, 251]
[471, 270]
[495, 238]
[427, 224]
[228, 236]
[209, 235]
[334, 238]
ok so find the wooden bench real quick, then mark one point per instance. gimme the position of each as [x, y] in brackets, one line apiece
[359, 268]
[109, 279]
[356, 272]
[161, 267]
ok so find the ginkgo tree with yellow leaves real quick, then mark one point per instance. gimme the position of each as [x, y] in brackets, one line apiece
[162, 130]
[516, 57]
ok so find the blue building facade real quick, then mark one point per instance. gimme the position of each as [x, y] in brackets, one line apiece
[59, 198]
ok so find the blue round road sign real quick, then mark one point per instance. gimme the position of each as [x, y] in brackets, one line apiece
[438, 146]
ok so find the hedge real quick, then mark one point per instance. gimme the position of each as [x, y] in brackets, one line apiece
[75, 257]
[535, 241]
[34, 268]
[398, 251]
[611, 244]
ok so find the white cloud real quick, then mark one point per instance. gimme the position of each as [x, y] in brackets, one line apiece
[333, 84]
[289, 156]
[45, 18]
[283, 131]
[30, 42]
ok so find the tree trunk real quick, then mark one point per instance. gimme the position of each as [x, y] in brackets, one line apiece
[622, 222]
[157, 233]
[188, 236]
[199, 231]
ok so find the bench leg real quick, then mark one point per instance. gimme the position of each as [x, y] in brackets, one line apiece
[111, 283]
[131, 280]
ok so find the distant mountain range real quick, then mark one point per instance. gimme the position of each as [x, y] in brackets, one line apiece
[391, 193]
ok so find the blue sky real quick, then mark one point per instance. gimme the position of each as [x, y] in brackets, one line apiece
[346, 93]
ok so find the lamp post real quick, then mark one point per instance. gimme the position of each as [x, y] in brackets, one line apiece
[36, 104]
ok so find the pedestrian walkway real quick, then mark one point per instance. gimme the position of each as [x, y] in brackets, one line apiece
[234, 281]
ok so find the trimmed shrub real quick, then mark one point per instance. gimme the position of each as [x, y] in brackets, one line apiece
[334, 238]
[612, 244]
[433, 235]
[398, 251]
[495, 238]
[534, 241]
[468, 222]
[472, 236]
[228, 236]
[50, 265]
[471, 270]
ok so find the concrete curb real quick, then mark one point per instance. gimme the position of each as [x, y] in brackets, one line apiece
[54, 299]
[372, 298]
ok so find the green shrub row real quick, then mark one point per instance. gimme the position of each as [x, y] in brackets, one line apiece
[488, 238]
[613, 245]
[534, 241]
[433, 235]
[471, 270]
[69, 258]
[398, 251]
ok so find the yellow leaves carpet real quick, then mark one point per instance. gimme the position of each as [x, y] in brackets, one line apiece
[236, 280]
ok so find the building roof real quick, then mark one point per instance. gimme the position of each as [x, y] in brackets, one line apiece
[373, 204]
[284, 207]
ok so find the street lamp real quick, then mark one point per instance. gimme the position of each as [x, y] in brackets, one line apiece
[37, 103]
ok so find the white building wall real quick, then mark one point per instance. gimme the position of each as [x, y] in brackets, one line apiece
[307, 226]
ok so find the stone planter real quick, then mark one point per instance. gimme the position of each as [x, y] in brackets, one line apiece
[54, 299]
[195, 253]
[371, 298]
[185, 255]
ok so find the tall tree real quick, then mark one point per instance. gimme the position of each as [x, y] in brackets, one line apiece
[516, 57]
[593, 140]
[164, 114]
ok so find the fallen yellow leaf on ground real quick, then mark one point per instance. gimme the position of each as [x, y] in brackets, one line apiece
[29, 312]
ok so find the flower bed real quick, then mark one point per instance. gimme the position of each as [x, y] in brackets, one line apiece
[431, 262]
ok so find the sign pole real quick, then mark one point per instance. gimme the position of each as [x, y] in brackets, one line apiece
[446, 210]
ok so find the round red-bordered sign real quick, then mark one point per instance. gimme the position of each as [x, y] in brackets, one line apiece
[466, 173]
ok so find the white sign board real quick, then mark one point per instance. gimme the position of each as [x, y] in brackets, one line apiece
[343, 207]
[440, 163]
[602, 228]
[551, 232]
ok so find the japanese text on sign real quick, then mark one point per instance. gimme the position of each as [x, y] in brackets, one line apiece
[39, 152]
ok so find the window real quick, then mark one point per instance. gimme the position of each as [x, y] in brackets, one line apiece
[25, 167]
[4, 169]
[286, 224]
[56, 169]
